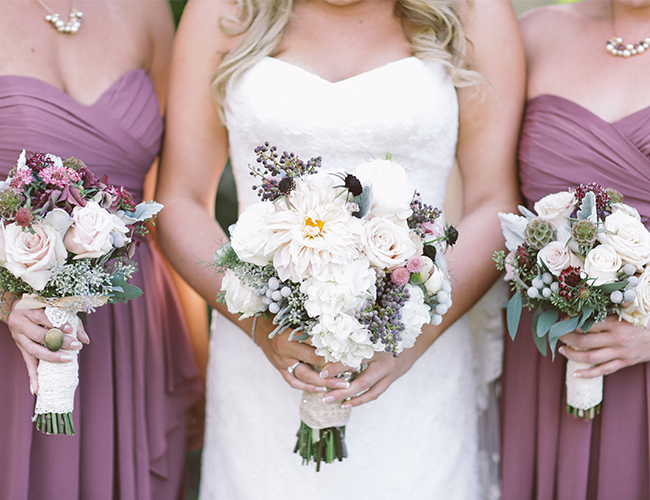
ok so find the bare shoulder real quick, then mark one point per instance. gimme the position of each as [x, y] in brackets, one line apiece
[203, 21]
[546, 27]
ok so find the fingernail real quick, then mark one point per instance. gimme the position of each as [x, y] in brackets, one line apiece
[343, 384]
[328, 399]
[346, 406]
[561, 351]
[321, 389]
[577, 375]
[75, 344]
[324, 374]
[66, 358]
[31, 389]
[67, 328]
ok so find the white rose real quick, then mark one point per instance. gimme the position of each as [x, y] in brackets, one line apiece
[240, 298]
[30, 255]
[391, 191]
[248, 237]
[556, 207]
[119, 235]
[626, 209]
[631, 239]
[414, 315]
[638, 312]
[557, 257]
[602, 264]
[90, 233]
[435, 282]
[387, 244]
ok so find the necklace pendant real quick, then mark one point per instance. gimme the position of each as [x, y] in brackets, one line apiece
[616, 47]
[71, 26]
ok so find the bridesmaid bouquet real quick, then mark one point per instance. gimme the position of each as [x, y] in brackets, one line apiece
[352, 263]
[66, 239]
[583, 257]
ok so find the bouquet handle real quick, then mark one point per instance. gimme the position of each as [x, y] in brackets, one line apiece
[584, 395]
[57, 383]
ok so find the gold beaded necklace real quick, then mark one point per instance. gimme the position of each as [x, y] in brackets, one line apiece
[69, 27]
[618, 48]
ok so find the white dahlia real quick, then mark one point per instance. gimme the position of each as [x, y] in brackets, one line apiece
[313, 228]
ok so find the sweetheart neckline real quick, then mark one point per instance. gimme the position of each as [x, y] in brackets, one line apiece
[68, 96]
[344, 80]
[587, 110]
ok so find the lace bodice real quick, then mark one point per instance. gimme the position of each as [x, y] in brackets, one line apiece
[407, 108]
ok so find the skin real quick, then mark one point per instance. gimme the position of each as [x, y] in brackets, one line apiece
[336, 40]
[139, 35]
[570, 61]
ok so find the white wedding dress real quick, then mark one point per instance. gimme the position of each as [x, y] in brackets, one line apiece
[419, 440]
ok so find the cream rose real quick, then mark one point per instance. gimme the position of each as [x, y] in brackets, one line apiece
[557, 257]
[90, 233]
[626, 209]
[638, 312]
[30, 255]
[556, 207]
[630, 238]
[602, 264]
[240, 298]
[387, 244]
[248, 237]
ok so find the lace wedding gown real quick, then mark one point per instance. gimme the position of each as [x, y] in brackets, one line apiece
[419, 439]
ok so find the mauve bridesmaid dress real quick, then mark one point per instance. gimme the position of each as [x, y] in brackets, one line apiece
[546, 453]
[137, 376]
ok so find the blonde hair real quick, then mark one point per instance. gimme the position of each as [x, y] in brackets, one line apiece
[262, 23]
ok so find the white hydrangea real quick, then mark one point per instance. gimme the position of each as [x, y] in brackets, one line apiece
[415, 314]
[342, 338]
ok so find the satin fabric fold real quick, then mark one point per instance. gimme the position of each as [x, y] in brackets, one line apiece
[548, 455]
[137, 376]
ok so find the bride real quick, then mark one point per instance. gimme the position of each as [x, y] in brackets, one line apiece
[427, 81]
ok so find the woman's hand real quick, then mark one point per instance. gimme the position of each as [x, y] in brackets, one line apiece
[383, 369]
[28, 328]
[609, 345]
[284, 354]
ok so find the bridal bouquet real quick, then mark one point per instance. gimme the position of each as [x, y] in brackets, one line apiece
[351, 262]
[583, 256]
[66, 239]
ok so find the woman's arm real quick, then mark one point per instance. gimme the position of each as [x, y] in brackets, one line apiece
[489, 129]
[194, 155]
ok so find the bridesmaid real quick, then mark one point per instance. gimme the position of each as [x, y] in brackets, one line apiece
[587, 120]
[95, 94]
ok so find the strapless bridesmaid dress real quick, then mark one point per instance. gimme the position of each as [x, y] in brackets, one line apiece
[548, 455]
[137, 376]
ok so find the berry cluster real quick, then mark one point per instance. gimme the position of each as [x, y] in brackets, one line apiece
[602, 198]
[383, 316]
[422, 213]
[278, 171]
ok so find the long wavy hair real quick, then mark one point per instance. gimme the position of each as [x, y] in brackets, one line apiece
[262, 23]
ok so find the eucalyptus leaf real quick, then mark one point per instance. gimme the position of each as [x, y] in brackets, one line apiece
[546, 320]
[143, 211]
[563, 327]
[541, 343]
[123, 291]
[514, 314]
[611, 287]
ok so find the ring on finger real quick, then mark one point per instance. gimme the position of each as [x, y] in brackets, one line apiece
[293, 367]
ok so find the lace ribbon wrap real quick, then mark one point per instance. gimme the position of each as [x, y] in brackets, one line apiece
[57, 382]
[582, 393]
[319, 415]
